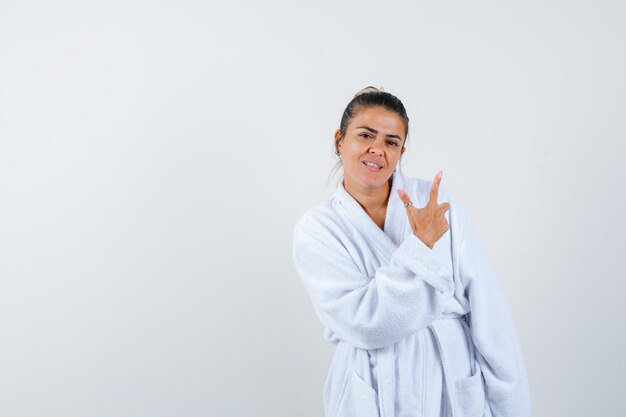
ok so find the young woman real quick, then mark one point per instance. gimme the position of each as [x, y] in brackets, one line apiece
[398, 276]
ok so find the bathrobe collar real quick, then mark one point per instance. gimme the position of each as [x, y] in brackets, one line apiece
[386, 241]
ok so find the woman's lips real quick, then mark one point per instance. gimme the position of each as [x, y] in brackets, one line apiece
[372, 166]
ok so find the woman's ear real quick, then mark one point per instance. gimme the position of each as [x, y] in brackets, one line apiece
[403, 149]
[338, 139]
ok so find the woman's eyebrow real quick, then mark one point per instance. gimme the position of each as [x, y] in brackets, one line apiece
[376, 131]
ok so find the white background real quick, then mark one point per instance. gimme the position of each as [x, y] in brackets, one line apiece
[155, 155]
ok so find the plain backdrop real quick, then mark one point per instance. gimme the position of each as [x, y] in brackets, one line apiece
[155, 155]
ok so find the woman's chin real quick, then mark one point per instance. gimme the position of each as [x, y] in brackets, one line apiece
[369, 181]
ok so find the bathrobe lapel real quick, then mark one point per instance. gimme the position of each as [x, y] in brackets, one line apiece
[385, 243]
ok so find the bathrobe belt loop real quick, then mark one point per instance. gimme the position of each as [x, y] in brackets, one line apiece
[386, 361]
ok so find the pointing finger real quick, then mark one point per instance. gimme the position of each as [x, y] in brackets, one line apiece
[434, 189]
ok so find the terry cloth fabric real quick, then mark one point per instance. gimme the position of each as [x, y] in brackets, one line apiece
[418, 331]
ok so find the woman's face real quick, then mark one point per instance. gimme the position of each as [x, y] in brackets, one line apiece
[371, 148]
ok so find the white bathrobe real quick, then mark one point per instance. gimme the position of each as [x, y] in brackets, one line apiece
[418, 332]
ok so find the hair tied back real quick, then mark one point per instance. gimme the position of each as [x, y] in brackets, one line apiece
[369, 89]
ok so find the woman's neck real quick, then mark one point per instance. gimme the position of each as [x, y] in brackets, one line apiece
[372, 201]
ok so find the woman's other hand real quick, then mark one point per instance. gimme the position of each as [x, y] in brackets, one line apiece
[428, 223]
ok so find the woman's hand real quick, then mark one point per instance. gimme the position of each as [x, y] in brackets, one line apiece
[428, 223]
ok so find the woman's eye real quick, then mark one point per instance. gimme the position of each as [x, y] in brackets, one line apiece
[392, 143]
[365, 135]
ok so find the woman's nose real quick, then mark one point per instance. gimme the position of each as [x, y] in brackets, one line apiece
[376, 149]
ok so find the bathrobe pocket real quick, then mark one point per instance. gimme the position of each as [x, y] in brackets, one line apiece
[358, 398]
[470, 394]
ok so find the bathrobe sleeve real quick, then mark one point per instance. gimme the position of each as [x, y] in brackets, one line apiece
[493, 332]
[402, 297]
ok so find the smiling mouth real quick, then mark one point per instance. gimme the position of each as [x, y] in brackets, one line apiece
[372, 166]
